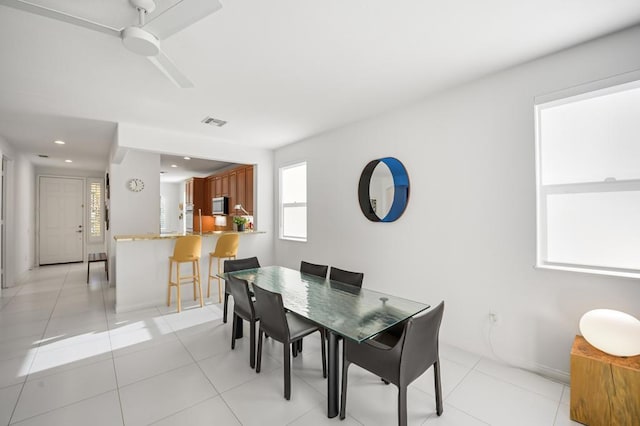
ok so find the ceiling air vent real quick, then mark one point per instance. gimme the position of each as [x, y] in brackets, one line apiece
[214, 122]
[43, 156]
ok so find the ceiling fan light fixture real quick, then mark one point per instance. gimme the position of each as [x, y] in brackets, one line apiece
[140, 41]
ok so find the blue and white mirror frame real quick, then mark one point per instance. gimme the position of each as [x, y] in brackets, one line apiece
[400, 193]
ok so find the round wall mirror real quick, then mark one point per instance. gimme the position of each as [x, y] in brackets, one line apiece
[383, 190]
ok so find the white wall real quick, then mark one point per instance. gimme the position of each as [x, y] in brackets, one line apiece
[171, 193]
[468, 234]
[20, 219]
[25, 213]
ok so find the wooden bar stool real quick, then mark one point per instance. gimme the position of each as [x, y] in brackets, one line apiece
[187, 250]
[226, 247]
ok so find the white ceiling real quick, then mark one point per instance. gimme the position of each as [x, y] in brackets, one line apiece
[194, 167]
[278, 71]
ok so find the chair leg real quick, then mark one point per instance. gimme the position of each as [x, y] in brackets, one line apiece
[169, 284]
[438, 385]
[287, 371]
[199, 284]
[324, 353]
[259, 354]
[226, 305]
[209, 279]
[252, 344]
[219, 283]
[178, 286]
[294, 349]
[300, 345]
[234, 325]
[193, 272]
[343, 397]
[402, 405]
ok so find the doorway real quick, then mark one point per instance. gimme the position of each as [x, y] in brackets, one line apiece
[61, 220]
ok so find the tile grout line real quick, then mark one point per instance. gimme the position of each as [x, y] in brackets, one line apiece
[113, 360]
[520, 386]
[24, 383]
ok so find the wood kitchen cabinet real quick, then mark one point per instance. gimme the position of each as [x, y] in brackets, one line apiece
[209, 189]
[225, 186]
[248, 195]
[194, 193]
[233, 188]
[217, 186]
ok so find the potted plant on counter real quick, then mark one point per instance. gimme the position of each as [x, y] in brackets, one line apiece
[240, 221]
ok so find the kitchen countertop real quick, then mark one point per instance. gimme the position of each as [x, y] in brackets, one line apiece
[143, 237]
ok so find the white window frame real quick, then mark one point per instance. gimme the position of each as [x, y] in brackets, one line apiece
[594, 89]
[90, 238]
[282, 205]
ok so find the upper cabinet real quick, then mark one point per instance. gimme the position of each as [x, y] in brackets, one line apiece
[237, 184]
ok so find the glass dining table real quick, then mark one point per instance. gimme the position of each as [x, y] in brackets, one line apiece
[344, 310]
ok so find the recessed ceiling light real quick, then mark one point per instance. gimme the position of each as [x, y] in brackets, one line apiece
[68, 161]
[173, 165]
[59, 142]
[187, 158]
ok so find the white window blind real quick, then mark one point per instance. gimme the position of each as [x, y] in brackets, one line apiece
[96, 209]
[588, 183]
[293, 202]
[163, 214]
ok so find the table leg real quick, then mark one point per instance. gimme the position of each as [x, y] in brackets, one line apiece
[239, 328]
[333, 393]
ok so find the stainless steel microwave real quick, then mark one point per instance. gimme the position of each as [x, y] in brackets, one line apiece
[220, 205]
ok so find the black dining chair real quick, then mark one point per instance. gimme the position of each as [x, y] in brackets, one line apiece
[318, 271]
[232, 266]
[244, 308]
[284, 327]
[346, 277]
[399, 359]
[313, 269]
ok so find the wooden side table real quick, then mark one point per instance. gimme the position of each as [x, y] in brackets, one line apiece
[605, 389]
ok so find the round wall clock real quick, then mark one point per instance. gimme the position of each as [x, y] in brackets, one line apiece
[136, 185]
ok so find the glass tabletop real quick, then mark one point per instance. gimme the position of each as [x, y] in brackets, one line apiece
[354, 313]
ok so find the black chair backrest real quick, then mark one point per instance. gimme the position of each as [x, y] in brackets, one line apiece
[273, 319]
[241, 297]
[240, 264]
[420, 346]
[346, 277]
[313, 269]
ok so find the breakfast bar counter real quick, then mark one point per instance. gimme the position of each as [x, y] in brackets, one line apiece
[142, 266]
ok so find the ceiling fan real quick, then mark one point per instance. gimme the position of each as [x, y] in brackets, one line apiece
[143, 38]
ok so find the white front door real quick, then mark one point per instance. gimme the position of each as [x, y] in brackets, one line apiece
[61, 220]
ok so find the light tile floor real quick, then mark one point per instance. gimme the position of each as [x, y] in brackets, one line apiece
[66, 358]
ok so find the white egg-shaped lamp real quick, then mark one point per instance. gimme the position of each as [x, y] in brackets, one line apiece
[613, 332]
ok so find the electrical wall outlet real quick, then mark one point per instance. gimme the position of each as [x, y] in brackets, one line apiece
[494, 318]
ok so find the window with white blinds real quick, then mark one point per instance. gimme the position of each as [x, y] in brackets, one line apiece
[588, 183]
[293, 202]
[96, 211]
[163, 214]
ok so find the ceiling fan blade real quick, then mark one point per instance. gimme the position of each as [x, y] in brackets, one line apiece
[179, 16]
[59, 16]
[170, 70]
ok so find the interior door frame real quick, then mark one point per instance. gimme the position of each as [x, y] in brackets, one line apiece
[84, 216]
[3, 224]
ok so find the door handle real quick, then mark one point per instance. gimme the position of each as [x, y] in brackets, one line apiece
[80, 231]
